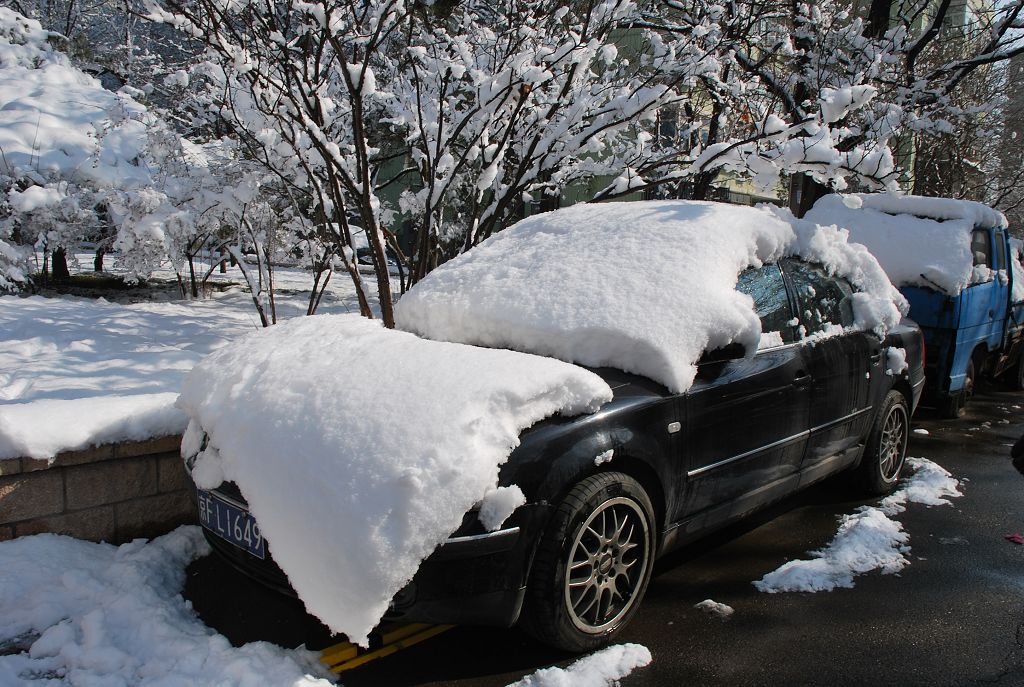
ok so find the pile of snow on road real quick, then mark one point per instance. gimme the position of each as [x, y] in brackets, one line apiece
[869, 539]
[918, 241]
[376, 442]
[600, 669]
[96, 614]
[715, 608]
[644, 287]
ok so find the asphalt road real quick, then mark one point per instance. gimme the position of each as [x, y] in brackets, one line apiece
[955, 616]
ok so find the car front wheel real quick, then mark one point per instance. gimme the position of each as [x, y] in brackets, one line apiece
[886, 449]
[593, 564]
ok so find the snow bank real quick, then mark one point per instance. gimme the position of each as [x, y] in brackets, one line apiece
[645, 287]
[918, 241]
[359, 449]
[107, 615]
[869, 539]
[601, 669]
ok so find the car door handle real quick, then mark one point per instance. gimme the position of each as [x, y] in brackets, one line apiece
[801, 378]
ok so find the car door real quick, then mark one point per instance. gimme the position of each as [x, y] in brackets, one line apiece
[841, 362]
[983, 302]
[746, 418]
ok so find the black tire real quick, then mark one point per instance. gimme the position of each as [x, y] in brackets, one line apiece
[953, 405]
[886, 449]
[1017, 378]
[599, 545]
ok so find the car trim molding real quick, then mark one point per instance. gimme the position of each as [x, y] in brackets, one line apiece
[707, 468]
[844, 418]
[512, 531]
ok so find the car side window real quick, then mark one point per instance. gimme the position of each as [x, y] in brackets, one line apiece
[981, 247]
[823, 300]
[999, 253]
[768, 289]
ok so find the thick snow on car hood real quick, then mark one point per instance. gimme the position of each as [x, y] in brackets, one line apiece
[359, 449]
[644, 287]
[918, 241]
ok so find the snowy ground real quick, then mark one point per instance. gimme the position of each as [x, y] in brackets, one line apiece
[80, 371]
[78, 613]
[869, 539]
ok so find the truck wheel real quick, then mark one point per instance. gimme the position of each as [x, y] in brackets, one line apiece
[592, 565]
[886, 450]
[953, 405]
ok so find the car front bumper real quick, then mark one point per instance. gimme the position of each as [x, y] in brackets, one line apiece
[472, 579]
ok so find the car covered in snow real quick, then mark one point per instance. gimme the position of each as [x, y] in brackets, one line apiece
[579, 395]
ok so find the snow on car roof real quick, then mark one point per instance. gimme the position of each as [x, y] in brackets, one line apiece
[645, 287]
[918, 241]
[359, 449]
[978, 214]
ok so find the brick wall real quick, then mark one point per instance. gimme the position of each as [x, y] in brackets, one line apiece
[112, 493]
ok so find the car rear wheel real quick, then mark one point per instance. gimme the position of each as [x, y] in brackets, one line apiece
[886, 449]
[592, 565]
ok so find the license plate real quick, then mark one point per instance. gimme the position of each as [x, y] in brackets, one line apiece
[230, 522]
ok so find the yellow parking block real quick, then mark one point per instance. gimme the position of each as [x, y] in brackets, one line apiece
[393, 637]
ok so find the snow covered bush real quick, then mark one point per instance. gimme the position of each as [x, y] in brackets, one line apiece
[473, 108]
[71, 149]
[826, 93]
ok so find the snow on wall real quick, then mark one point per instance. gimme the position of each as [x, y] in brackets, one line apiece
[360, 448]
[79, 372]
[645, 287]
[918, 241]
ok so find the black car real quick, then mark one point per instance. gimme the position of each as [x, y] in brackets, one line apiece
[610, 492]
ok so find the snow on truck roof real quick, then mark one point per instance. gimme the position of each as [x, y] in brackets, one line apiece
[918, 241]
[645, 287]
[359, 448]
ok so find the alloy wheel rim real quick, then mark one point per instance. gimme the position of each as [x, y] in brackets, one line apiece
[608, 561]
[893, 445]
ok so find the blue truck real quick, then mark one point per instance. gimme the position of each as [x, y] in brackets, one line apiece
[955, 264]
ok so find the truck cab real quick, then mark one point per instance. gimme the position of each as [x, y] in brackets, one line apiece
[952, 260]
[968, 333]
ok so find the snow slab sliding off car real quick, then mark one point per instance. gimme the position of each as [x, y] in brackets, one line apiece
[821, 378]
